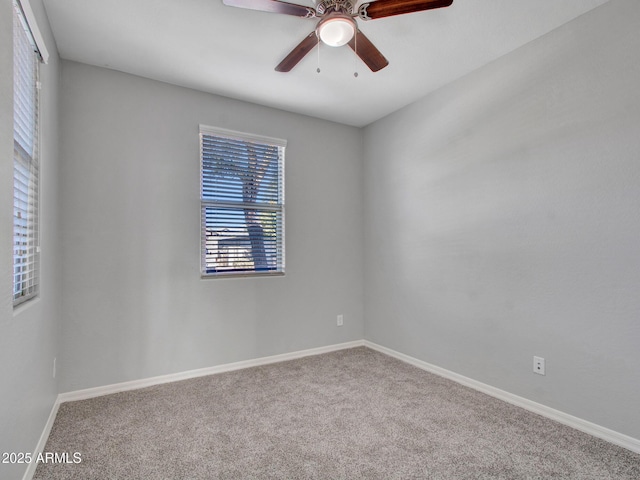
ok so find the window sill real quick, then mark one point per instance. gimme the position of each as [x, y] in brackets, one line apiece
[210, 276]
[26, 305]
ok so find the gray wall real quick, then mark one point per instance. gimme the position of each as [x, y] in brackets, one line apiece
[133, 301]
[503, 221]
[28, 335]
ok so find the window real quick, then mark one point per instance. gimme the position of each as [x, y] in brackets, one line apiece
[26, 59]
[242, 203]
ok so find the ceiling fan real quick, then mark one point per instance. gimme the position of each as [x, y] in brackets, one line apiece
[337, 24]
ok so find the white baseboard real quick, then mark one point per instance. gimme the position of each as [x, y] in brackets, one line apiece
[31, 468]
[611, 436]
[201, 372]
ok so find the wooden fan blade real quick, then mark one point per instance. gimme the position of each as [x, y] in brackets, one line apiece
[298, 53]
[390, 8]
[368, 52]
[273, 6]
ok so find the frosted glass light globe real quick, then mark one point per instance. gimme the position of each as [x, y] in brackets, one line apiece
[336, 32]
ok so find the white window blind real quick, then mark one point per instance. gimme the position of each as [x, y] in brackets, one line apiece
[242, 203]
[25, 160]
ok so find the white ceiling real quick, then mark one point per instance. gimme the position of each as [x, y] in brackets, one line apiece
[205, 45]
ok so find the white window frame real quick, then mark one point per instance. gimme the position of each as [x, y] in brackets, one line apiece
[26, 177]
[214, 260]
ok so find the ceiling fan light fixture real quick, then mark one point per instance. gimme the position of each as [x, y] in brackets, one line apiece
[336, 31]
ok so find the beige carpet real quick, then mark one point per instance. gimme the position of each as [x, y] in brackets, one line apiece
[352, 414]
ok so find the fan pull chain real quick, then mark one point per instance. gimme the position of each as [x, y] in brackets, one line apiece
[355, 57]
[319, 42]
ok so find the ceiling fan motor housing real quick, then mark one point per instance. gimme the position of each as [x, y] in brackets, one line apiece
[325, 7]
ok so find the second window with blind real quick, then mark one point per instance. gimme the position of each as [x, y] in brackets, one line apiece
[26, 170]
[242, 203]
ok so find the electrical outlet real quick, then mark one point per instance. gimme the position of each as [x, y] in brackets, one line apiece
[538, 365]
[54, 367]
[340, 320]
